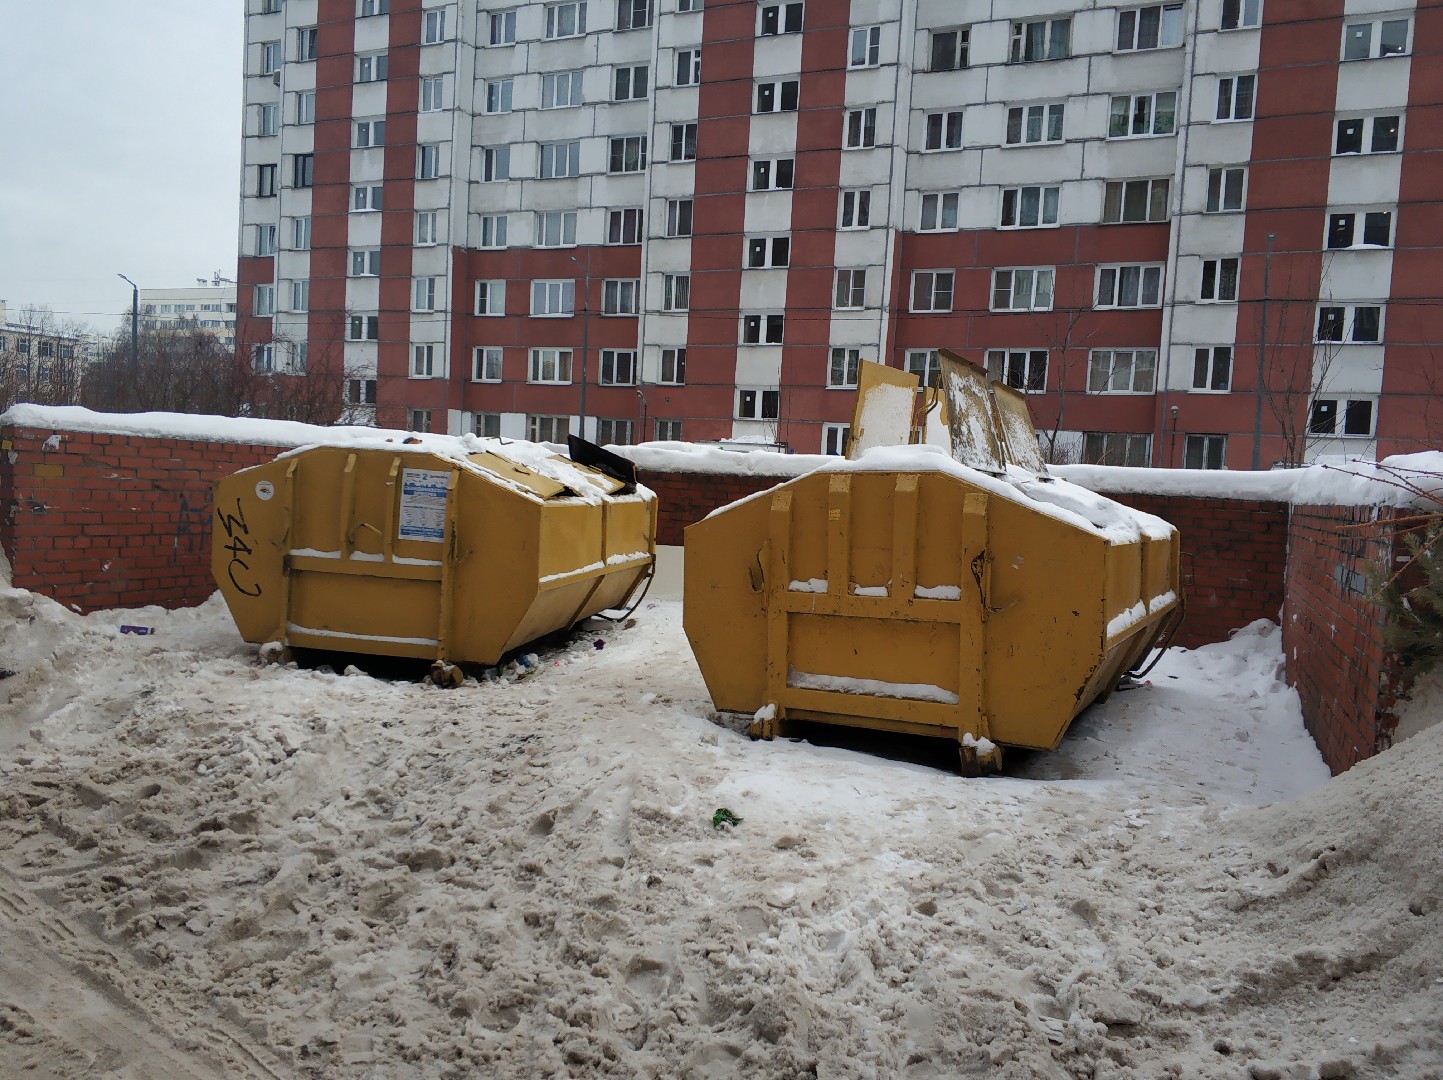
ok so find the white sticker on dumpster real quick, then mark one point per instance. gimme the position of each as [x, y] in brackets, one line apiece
[423, 504]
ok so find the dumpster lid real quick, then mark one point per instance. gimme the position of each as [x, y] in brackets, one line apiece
[544, 486]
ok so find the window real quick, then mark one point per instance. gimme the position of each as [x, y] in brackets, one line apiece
[263, 359]
[428, 161]
[630, 83]
[265, 239]
[1021, 369]
[1157, 26]
[678, 217]
[1204, 452]
[306, 107]
[270, 7]
[423, 363]
[1029, 207]
[366, 262]
[619, 296]
[371, 68]
[778, 96]
[1045, 39]
[270, 57]
[1122, 371]
[551, 429]
[360, 391]
[498, 95]
[433, 94]
[683, 142]
[1241, 14]
[268, 120]
[1225, 188]
[493, 230]
[503, 28]
[633, 14]
[866, 48]
[688, 67]
[1357, 417]
[1235, 96]
[300, 296]
[490, 298]
[302, 170]
[856, 208]
[835, 439]
[1212, 368]
[932, 290]
[1219, 280]
[628, 154]
[1023, 288]
[685, 6]
[618, 367]
[1368, 135]
[780, 19]
[923, 364]
[1367, 228]
[670, 430]
[265, 300]
[764, 252]
[427, 224]
[762, 329]
[301, 233]
[851, 290]
[566, 20]
[553, 298]
[556, 228]
[486, 425]
[559, 90]
[364, 328]
[1116, 448]
[374, 7]
[550, 366]
[948, 49]
[1035, 123]
[496, 163]
[861, 129]
[433, 27]
[370, 133]
[1350, 324]
[486, 363]
[1375, 38]
[296, 361]
[942, 131]
[842, 371]
[675, 292]
[623, 226]
[756, 404]
[560, 159]
[423, 294]
[1139, 115]
[672, 371]
[773, 174]
[1135, 200]
[613, 432]
[939, 211]
[1129, 286]
[418, 419]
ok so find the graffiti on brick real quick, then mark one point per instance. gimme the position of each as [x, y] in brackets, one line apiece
[190, 527]
[236, 531]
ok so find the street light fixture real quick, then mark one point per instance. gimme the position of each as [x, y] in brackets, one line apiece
[1262, 359]
[134, 324]
[585, 333]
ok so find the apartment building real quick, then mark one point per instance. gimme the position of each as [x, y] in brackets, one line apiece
[1201, 233]
[209, 304]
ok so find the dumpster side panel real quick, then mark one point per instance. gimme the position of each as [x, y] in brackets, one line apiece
[723, 615]
[497, 559]
[248, 544]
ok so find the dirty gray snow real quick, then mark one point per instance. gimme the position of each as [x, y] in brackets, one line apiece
[212, 868]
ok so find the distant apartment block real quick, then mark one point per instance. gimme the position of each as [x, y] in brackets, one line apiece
[210, 305]
[1199, 234]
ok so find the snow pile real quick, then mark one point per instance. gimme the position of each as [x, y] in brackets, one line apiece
[211, 868]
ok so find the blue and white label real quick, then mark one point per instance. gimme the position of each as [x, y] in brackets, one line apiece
[423, 505]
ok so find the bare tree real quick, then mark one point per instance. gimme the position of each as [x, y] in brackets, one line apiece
[42, 359]
[176, 368]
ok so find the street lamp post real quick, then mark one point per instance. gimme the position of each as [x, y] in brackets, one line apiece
[585, 333]
[1262, 359]
[134, 324]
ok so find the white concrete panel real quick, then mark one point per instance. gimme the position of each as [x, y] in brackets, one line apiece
[775, 57]
[363, 231]
[1364, 179]
[1203, 324]
[1034, 165]
[944, 172]
[768, 212]
[1219, 144]
[368, 99]
[1373, 85]
[758, 366]
[1129, 73]
[373, 34]
[1211, 234]
[863, 247]
[762, 290]
[368, 164]
[672, 106]
[1055, 80]
[1348, 369]
[773, 135]
[363, 294]
[950, 89]
[1356, 275]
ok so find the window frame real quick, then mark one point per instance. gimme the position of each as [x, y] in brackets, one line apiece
[1375, 46]
[1219, 279]
[672, 362]
[773, 167]
[844, 365]
[1019, 51]
[1018, 206]
[1237, 99]
[1368, 134]
[489, 298]
[554, 228]
[1141, 379]
[778, 19]
[553, 298]
[620, 223]
[559, 160]
[556, 21]
[625, 358]
[1035, 289]
[675, 293]
[620, 297]
[635, 89]
[1209, 448]
[770, 252]
[763, 328]
[1001, 366]
[850, 289]
[870, 38]
[483, 357]
[1119, 273]
[940, 211]
[761, 403]
[1218, 193]
[423, 361]
[1361, 222]
[493, 232]
[626, 154]
[940, 286]
[1151, 197]
[550, 365]
[855, 209]
[955, 52]
[1348, 325]
[1213, 369]
[1051, 119]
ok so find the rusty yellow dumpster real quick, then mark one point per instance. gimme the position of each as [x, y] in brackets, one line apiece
[445, 549]
[905, 591]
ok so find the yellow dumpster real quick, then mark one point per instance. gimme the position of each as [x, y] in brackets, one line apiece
[907, 592]
[445, 549]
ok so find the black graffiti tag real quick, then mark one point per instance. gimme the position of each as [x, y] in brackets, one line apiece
[236, 531]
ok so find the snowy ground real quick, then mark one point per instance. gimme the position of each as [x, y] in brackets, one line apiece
[210, 868]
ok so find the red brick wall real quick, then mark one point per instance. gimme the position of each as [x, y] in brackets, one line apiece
[99, 521]
[1333, 636]
[686, 497]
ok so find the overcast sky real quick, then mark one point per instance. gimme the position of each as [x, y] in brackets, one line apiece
[120, 142]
